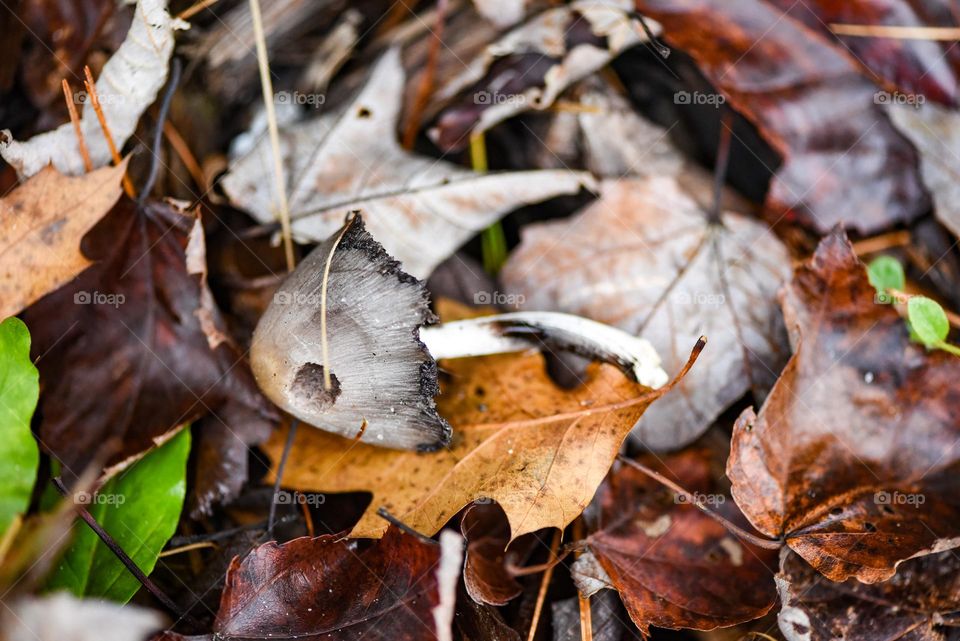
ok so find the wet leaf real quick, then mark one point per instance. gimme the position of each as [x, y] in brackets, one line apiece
[913, 605]
[538, 450]
[332, 588]
[843, 161]
[43, 222]
[140, 509]
[886, 272]
[853, 458]
[422, 209]
[124, 357]
[19, 388]
[674, 566]
[646, 259]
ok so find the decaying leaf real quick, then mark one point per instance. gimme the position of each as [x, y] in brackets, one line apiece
[128, 85]
[853, 458]
[59, 617]
[538, 450]
[334, 589]
[674, 566]
[644, 258]
[528, 67]
[124, 358]
[43, 221]
[843, 161]
[485, 574]
[422, 209]
[935, 131]
[915, 604]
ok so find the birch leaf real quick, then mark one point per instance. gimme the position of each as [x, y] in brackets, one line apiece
[128, 84]
[421, 209]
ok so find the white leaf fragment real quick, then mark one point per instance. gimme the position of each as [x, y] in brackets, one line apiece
[64, 617]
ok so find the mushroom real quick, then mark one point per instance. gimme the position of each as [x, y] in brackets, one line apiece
[349, 345]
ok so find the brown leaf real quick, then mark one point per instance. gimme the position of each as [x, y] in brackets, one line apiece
[332, 588]
[854, 457]
[646, 259]
[43, 221]
[674, 566]
[485, 573]
[122, 351]
[842, 159]
[921, 597]
[538, 450]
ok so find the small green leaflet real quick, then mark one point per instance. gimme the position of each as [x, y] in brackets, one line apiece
[19, 390]
[886, 273]
[928, 320]
[140, 508]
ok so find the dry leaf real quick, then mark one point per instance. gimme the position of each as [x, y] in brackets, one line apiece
[422, 209]
[43, 222]
[853, 458]
[128, 84]
[538, 450]
[645, 259]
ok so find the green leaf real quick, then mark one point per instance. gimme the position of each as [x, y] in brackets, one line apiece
[19, 389]
[886, 272]
[927, 320]
[139, 508]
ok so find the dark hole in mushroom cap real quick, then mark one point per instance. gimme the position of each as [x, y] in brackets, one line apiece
[308, 385]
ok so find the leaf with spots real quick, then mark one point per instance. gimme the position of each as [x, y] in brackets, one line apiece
[538, 450]
[43, 221]
[854, 459]
[674, 566]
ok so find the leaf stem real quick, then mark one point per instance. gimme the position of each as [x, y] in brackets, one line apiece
[389, 518]
[544, 584]
[291, 433]
[175, 69]
[733, 529]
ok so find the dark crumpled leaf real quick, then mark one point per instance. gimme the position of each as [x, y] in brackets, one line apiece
[843, 162]
[912, 65]
[674, 566]
[331, 588]
[485, 574]
[854, 457]
[124, 350]
[915, 604]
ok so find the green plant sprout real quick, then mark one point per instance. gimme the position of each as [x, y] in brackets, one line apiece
[926, 319]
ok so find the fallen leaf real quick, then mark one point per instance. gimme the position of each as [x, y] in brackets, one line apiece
[646, 259]
[853, 457]
[915, 604]
[331, 588]
[422, 209]
[530, 66]
[43, 221]
[606, 619]
[122, 353]
[538, 450]
[674, 566]
[64, 617]
[128, 84]
[140, 509]
[19, 456]
[935, 131]
[485, 574]
[843, 161]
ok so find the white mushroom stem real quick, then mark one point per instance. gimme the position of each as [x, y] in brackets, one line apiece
[518, 331]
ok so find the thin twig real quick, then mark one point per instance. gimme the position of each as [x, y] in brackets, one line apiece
[426, 83]
[94, 97]
[661, 48]
[189, 12]
[544, 584]
[266, 84]
[175, 69]
[733, 529]
[182, 149]
[124, 558]
[75, 119]
[896, 31]
[389, 518]
[226, 534]
[186, 548]
[876, 244]
[276, 484]
[324, 343]
[586, 618]
[720, 170]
